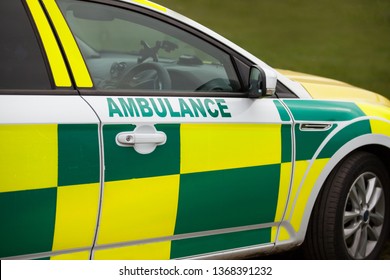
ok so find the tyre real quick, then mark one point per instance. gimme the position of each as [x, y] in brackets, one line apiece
[350, 219]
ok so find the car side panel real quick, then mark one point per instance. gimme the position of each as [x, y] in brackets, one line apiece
[318, 152]
[213, 186]
[50, 182]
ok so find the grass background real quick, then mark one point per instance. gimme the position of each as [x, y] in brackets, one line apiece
[347, 40]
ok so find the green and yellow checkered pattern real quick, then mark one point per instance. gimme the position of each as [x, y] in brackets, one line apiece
[49, 187]
[193, 183]
[206, 177]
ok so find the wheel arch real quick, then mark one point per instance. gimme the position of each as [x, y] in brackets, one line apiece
[376, 144]
[382, 152]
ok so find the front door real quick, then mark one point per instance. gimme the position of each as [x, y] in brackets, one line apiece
[191, 165]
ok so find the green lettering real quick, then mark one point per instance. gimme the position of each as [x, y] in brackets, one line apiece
[198, 107]
[162, 111]
[173, 114]
[144, 107]
[214, 113]
[222, 107]
[129, 107]
[113, 108]
[185, 109]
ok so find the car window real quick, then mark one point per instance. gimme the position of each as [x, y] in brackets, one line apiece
[22, 65]
[124, 49]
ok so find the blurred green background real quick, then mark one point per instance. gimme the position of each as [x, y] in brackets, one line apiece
[348, 40]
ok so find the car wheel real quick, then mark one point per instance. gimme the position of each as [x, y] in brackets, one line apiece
[350, 219]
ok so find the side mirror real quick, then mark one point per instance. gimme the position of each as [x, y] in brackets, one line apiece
[262, 82]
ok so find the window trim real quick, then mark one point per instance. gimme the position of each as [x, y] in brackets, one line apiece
[37, 92]
[67, 41]
[51, 52]
[124, 92]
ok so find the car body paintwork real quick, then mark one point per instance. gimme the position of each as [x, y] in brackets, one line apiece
[236, 175]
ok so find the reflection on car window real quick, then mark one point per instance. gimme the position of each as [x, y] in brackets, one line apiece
[127, 50]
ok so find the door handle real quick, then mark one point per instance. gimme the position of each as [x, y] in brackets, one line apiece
[129, 139]
[144, 139]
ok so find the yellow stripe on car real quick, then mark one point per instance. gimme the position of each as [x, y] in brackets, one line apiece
[284, 187]
[30, 158]
[76, 61]
[151, 251]
[153, 202]
[284, 235]
[151, 5]
[380, 125]
[203, 146]
[303, 193]
[53, 52]
[76, 216]
[299, 170]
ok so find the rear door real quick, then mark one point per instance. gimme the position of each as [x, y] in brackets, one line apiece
[49, 144]
[191, 165]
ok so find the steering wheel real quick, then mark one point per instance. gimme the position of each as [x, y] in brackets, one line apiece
[217, 84]
[146, 75]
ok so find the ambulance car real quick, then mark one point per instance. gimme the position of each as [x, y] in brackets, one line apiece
[128, 131]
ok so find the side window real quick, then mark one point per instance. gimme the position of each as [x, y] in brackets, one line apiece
[22, 65]
[126, 50]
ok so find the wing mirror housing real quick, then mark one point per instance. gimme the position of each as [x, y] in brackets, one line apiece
[262, 82]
